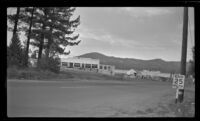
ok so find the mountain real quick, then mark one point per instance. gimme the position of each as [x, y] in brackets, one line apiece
[138, 64]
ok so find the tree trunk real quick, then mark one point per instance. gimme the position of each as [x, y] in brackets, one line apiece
[28, 40]
[42, 39]
[16, 21]
[41, 45]
[49, 41]
[49, 44]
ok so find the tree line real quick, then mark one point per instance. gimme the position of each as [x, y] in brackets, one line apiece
[49, 29]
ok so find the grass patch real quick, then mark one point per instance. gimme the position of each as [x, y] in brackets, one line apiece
[187, 108]
[37, 74]
[184, 109]
[34, 74]
[168, 108]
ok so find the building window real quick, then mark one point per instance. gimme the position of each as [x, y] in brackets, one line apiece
[94, 65]
[77, 65]
[108, 67]
[105, 67]
[88, 65]
[65, 64]
[101, 67]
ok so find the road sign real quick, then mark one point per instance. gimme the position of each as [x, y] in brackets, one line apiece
[175, 81]
[181, 82]
[178, 81]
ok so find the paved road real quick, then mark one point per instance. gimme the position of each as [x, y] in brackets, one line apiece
[82, 98]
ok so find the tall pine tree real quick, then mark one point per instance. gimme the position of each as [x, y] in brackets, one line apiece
[52, 28]
[15, 54]
[58, 29]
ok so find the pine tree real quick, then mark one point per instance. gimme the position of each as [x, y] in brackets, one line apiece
[52, 28]
[28, 37]
[15, 51]
[15, 46]
[15, 56]
[16, 21]
[58, 29]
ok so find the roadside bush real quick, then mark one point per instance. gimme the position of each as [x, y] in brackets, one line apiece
[164, 79]
[51, 64]
[12, 72]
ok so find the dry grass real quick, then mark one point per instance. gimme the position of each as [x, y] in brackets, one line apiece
[34, 74]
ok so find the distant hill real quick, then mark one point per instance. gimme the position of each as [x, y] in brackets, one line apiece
[128, 63]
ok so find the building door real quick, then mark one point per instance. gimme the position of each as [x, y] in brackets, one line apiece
[71, 65]
[83, 65]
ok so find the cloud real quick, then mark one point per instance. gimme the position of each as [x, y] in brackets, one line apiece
[145, 11]
[103, 36]
[117, 41]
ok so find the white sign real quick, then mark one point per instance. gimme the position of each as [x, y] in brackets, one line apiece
[178, 81]
[175, 81]
[181, 82]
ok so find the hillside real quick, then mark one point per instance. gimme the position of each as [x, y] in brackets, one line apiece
[128, 63]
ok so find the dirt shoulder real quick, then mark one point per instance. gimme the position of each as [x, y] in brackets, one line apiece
[167, 107]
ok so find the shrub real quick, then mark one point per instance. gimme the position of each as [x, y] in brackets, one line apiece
[15, 55]
[164, 79]
[12, 72]
[51, 64]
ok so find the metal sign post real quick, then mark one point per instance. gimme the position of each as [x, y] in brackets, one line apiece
[178, 83]
[176, 98]
[181, 88]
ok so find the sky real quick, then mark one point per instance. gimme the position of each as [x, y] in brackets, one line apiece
[131, 32]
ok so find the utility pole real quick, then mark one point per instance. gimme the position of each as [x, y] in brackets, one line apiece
[184, 51]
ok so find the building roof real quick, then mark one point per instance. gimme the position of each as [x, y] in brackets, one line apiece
[131, 71]
[79, 58]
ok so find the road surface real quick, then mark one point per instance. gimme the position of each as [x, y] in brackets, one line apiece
[26, 98]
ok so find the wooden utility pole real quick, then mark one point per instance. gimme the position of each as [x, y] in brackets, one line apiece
[184, 51]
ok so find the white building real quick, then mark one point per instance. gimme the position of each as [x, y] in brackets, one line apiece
[131, 72]
[147, 73]
[127, 73]
[87, 64]
[107, 69]
[79, 63]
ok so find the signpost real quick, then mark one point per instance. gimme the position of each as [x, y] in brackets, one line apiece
[178, 84]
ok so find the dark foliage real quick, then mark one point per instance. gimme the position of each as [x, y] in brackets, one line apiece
[15, 53]
[51, 64]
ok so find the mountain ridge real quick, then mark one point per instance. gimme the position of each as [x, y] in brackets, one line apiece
[138, 64]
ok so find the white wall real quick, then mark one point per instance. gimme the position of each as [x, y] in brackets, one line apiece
[110, 71]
